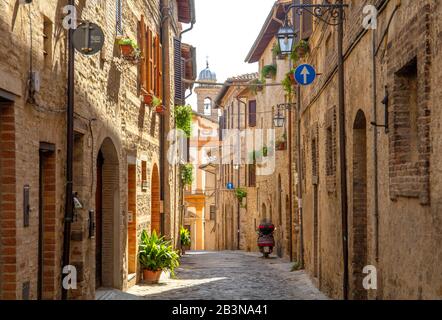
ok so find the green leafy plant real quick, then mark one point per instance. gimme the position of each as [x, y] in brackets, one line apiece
[127, 42]
[183, 119]
[157, 254]
[256, 85]
[187, 174]
[269, 71]
[301, 49]
[276, 50]
[156, 101]
[265, 151]
[240, 194]
[288, 81]
[185, 237]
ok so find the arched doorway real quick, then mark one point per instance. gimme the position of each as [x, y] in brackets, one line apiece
[359, 218]
[155, 202]
[107, 217]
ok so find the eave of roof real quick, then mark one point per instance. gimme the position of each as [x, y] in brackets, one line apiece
[200, 115]
[245, 78]
[186, 11]
[269, 29]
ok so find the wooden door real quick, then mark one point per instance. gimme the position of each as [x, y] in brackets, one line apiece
[98, 221]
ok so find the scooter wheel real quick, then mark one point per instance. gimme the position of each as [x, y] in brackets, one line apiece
[266, 255]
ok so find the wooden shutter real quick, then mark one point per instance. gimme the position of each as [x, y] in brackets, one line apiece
[252, 113]
[178, 69]
[143, 47]
[307, 23]
[252, 175]
[159, 69]
[149, 61]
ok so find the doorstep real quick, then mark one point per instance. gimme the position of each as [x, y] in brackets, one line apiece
[131, 280]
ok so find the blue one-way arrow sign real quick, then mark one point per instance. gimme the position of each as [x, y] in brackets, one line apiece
[305, 74]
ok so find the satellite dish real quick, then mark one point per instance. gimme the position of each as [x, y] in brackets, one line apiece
[88, 38]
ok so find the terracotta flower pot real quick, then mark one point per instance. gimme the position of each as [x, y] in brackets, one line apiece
[151, 276]
[160, 109]
[148, 99]
[302, 52]
[126, 49]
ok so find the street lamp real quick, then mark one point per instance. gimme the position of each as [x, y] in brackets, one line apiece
[279, 120]
[286, 36]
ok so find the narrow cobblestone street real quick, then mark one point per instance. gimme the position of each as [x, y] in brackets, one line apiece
[225, 275]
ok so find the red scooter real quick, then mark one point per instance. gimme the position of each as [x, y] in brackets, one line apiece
[266, 241]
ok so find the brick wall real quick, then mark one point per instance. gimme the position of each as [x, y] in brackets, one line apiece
[408, 67]
[8, 232]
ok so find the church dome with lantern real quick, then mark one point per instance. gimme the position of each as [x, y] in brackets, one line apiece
[207, 74]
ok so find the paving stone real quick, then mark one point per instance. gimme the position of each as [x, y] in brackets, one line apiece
[231, 275]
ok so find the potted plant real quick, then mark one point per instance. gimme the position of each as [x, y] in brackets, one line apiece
[185, 239]
[281, 144]
[276, 50]
[300, 50]
[256, 86]
[157, 104]
[269, 71]
[148, 99]
[129, 49]
[155, 256]
[240, 194]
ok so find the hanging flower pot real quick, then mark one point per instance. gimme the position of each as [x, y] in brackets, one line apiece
[129, 50]
[160, 109]
[301, 50]
[126, 50]
[148, 99]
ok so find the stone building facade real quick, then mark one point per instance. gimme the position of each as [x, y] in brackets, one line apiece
[201, 197]
[393, 174]
[118, 146]
[265, 177]
[275, 192]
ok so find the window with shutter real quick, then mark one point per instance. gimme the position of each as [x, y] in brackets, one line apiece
[150, 62]
[307, 22]
[119, 17]
[178, 69]
[159, 70]
[252, 175]
[252, 113]
[143, 48]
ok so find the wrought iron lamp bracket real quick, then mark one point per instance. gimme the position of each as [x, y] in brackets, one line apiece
[329, 13]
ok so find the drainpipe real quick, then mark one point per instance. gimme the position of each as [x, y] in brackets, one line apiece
[375, 147]
[239, 168]
[342, 148]
[299, 165]
[69, 211]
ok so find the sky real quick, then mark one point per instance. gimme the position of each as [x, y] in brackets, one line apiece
[225, 30]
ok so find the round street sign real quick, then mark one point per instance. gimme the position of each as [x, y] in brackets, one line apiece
[88, 38]
[305, 74]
